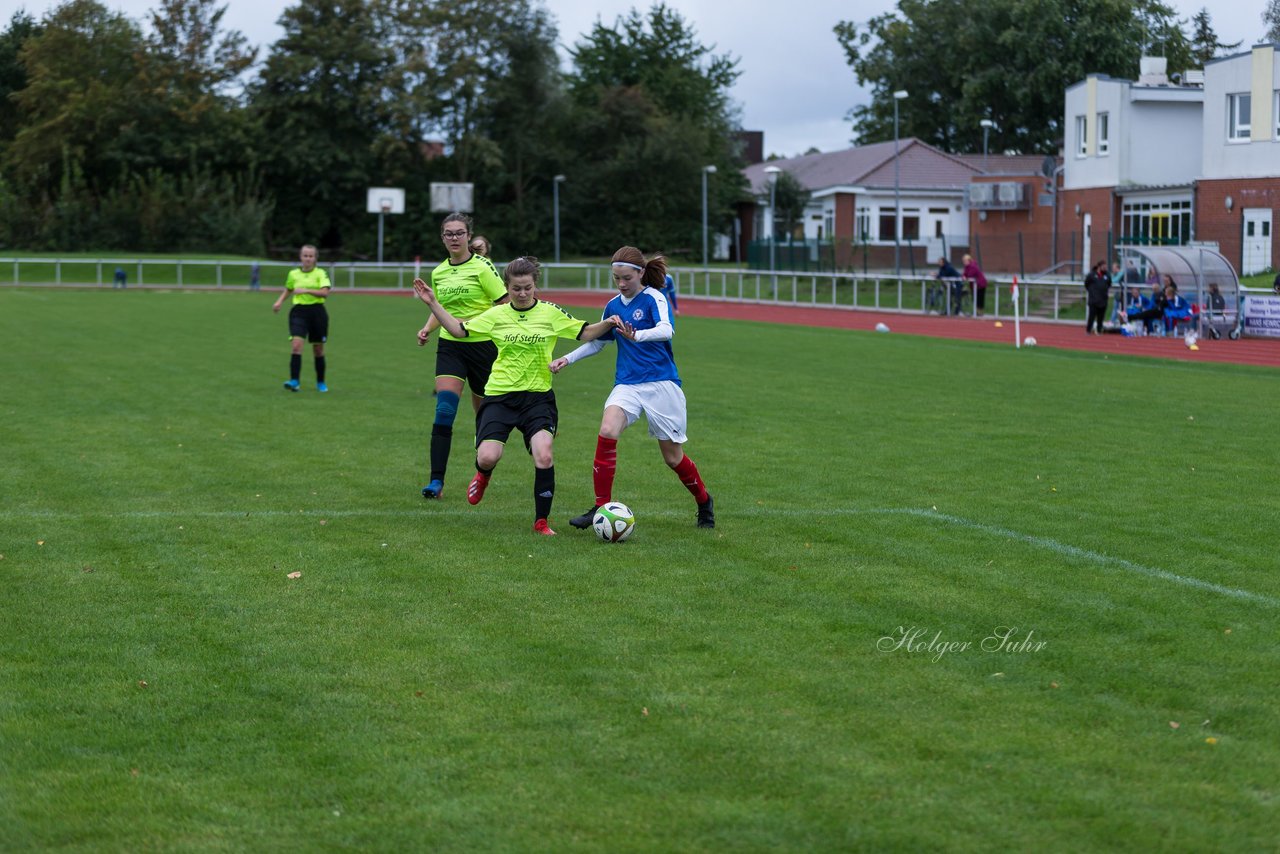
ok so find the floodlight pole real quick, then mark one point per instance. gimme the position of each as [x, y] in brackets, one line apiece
[987, 125]
[706, 170]
[555, 210]
[897, 191]
[771, 175]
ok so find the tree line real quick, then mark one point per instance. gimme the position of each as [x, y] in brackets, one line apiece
[179, 136]
[176, 137]
[1010, 61]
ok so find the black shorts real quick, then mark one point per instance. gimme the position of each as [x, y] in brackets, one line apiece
[466, 360]
[526, 411]
[310, 322]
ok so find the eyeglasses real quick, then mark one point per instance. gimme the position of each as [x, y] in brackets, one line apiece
[453, 235]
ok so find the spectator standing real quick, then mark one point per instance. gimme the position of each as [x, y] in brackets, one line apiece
[120, 280]
[255, 277]
[1097, 286]
[978, 282]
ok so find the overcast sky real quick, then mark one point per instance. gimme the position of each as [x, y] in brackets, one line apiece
[794, 83]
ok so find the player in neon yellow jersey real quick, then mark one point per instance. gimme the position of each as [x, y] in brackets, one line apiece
[309, 286]
[467, 284]
[518, 394]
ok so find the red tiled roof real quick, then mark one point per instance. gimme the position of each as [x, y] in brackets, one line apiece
[920, 165]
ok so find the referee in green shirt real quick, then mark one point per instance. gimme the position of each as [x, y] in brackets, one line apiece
[309, 286]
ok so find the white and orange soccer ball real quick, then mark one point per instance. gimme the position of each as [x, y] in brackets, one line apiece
[613, 522]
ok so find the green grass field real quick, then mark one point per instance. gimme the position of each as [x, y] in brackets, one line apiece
[438, 678]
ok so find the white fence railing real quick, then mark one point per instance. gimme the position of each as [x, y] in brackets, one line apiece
[1058, 299]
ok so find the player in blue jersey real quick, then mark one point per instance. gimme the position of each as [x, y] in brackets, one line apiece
[645, 381]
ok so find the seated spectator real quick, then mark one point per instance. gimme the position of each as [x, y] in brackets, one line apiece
[1149, 310]
[1176, 308]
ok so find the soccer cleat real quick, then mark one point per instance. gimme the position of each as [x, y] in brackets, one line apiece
[433, 489]
[541, 527]
[707, 513]
[585, 520]
[321, 387]
[291, 385]
[475, 491]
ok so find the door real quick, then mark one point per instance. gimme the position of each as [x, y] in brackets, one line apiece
[1160, 230]
[1255, 254]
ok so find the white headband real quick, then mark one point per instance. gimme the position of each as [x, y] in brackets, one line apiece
[628, 264]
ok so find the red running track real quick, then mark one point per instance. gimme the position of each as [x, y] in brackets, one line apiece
[1246, 351]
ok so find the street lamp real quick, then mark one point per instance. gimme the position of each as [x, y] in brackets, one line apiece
[897, 189]
[987, 125]
[706, 170]
[771, 175]
[555, 210]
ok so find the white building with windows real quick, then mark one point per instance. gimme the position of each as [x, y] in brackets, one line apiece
[1137, 146]
[1238, 194]
[860, 207]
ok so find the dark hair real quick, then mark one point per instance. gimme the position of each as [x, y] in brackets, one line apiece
[653, 272]
[456, 217]
[525, 265]
[480, 238]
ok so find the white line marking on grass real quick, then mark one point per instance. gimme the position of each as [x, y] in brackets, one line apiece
[1077, 552]
[437, 510]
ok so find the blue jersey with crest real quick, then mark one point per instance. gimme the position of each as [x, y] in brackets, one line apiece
[642, 361]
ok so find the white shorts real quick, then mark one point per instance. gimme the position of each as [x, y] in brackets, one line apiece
[662, 404]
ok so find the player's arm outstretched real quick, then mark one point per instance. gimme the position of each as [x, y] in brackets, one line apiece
[439, 312]
[592, 345]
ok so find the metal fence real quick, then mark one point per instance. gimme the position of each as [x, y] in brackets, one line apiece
[1045, 299]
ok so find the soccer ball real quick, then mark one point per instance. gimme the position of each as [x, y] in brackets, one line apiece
[613, 522]
[882, 327]
[1029, 341]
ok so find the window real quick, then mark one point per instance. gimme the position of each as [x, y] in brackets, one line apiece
[1238, 117]
[862, 228]
[887, 231]
[1275, 114]
[1082, 136]
[1156, 223]
[1104, 136]
[910, 223]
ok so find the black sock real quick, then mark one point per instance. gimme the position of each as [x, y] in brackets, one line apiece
[544, 490]
[319, 369]
[441, 442]
[295, 366]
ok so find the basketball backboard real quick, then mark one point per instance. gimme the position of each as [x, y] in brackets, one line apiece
[385, 200]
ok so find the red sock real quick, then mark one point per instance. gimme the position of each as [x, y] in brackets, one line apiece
[603, 468]
[688, 474]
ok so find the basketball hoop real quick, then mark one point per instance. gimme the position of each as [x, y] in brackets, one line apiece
[383, 201]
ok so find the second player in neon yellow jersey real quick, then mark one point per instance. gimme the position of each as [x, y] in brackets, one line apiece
[466, 284]
[518, 394]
